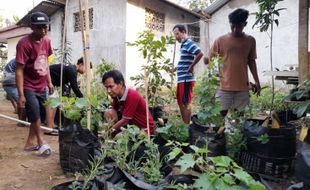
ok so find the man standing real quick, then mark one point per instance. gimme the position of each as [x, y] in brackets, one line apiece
[32, 78]
[190, 56]
[128, 106]
[238, 51]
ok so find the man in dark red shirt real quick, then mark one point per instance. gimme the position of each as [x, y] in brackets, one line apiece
[32, 78]
[127, 102]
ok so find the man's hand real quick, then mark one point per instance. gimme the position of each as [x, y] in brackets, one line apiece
[191, 68]
[206, 60]
[21, 102]
[50, 88]
[258, 89]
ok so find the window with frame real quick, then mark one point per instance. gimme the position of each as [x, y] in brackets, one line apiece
[77, 20]
[194, 32]
[154, 20]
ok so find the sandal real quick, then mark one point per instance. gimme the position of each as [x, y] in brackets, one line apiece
[45, 150]
[32, 148]
[54, 132]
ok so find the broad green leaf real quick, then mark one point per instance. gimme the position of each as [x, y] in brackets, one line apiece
[73, 114]
[174, 153]
[54, 102]
[81, 103]
[205, 182]
[257, 186]
[228, 179]
[185, 162]
[223, 161]
[301, 109]
[243, 176]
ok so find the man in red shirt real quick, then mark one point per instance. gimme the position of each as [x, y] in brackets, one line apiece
[128, 105]
[32, 78]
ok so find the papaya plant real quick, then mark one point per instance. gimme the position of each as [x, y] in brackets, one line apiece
[75, 109]
[266, 17]
[157, 65]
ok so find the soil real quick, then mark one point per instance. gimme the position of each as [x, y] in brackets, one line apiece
[24, 170]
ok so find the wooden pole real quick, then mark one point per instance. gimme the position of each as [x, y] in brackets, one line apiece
[303, 55]
[64, 37]
[147, 105]
[85, 37]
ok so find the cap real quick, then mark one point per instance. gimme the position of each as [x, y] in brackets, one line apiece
[38, 18]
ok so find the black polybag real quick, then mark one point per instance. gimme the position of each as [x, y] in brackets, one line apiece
[77, 145]
[200, 135]
[302, 166]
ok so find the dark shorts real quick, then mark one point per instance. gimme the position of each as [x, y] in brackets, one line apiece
[35, 104]
[185, 92]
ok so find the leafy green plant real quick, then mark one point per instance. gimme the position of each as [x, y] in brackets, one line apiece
[235, 140]
[205, 90]
[64, 56]
[262, 103]
[175, 129]
[264, 139]
[75, 109]
[125, 149]
[153, 51]
[103, 67]
[302, 94]
[266, 17]
[217, 173]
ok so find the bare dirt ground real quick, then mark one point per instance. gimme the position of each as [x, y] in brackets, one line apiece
[24, 170]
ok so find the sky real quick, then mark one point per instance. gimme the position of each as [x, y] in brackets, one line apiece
[16, 7]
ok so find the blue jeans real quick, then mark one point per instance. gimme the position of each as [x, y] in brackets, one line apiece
[11, 92]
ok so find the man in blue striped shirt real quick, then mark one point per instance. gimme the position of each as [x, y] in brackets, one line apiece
[190, 56]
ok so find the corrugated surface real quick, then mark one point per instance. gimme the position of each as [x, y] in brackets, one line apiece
[216, 6]
[48, 7]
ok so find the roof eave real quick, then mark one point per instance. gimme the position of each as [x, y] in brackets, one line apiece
[48, 7]
[197, 15]
[215, 6]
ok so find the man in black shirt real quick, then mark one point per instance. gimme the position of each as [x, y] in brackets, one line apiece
[69, 76]
[69, 79]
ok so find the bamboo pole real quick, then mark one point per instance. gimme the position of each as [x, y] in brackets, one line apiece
[147, 106]
[85, 38]
[64, 38]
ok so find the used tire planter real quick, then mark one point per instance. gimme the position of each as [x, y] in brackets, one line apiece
[200, 135]
[273, 158]
[76, 146]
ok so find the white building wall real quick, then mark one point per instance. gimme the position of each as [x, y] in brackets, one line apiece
[107, 38]
[285, 43]
[12, 42]
[136, 24]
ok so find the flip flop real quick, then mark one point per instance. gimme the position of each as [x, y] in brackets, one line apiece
[32, 148]
[52, 133]
[45, 150]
